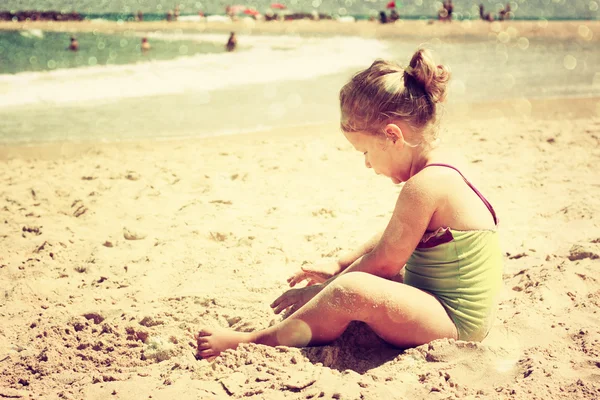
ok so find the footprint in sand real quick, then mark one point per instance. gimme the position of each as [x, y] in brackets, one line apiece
[132, 235]
[79, 208]
[579, 252]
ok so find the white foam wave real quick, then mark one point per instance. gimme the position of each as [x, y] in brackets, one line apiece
[269, 59]
[38, 33]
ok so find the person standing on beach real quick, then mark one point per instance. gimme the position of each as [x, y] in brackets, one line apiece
[383, 17]
[442, 233]
[505, 13]
[74, 45]
[445, 13]
[450, 9]
[485, 16]
[231, 42]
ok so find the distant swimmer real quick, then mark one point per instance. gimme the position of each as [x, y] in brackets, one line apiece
[74, 46]
[145, 44]
[231, 43]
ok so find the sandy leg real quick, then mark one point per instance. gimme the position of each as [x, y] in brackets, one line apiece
[401, 315]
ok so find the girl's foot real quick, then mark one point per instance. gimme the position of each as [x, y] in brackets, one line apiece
[213, 341]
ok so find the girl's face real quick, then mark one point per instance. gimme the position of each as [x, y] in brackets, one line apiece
[380, 153]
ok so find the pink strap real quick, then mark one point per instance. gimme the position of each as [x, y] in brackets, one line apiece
[477, 192]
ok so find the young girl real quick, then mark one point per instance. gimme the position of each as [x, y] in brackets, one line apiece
[442, 232]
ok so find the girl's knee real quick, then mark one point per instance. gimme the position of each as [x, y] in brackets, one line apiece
[350, 281]
[352, 293]
[348, 288]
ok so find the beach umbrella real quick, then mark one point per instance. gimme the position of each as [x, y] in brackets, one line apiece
[278, 6]
[249, 11]
[391, 4]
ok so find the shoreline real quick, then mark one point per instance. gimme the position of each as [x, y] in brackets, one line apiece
[466, 29]
[518, 109]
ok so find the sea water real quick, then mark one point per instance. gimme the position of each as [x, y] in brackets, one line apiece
[270, 81]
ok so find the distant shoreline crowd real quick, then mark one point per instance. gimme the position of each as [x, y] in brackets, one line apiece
[33, 15]
[445, 14]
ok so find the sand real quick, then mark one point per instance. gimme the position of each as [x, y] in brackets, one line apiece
[410, 29]
[111, 255]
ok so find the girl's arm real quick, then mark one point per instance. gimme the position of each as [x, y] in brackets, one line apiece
[321, 272]
[415, 206]
[350, 257]
[414, 209]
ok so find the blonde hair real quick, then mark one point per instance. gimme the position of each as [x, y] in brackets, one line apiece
[385, 92]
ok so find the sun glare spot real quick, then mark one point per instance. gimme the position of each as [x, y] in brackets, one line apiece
[570, 62]
[505, 365]
[523, 43]
[294, 333]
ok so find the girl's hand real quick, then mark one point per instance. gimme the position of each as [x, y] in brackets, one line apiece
[295, 298]
[314, 274]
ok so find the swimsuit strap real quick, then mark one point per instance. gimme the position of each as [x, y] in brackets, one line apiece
[477, 192]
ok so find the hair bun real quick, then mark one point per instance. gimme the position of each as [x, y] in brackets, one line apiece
[434, 78]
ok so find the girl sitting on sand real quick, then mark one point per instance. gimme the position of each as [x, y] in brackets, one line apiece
[442, 232]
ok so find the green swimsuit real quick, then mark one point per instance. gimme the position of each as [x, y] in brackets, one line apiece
[463, 270]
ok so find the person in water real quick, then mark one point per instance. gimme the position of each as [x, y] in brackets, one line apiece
[231, 42]
[145, 45]
[442, 234]
[74, 45]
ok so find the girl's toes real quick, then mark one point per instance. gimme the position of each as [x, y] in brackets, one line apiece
[204, 332]
[206, 353]
[203, 345]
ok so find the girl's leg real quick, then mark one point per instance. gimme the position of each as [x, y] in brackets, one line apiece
[400, 314]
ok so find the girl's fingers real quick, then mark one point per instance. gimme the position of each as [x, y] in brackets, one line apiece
[282, 298]
[317, 273]
[293, 280]
[283, 306]
[284, 302]
[276, 302]
[297, 278]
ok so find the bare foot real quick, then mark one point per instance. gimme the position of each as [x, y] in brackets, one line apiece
[212, 341]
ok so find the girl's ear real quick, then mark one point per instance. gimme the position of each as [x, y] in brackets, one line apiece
[394, 133]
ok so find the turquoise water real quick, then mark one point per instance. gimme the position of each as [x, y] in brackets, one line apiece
[108, 9]
[34, 50]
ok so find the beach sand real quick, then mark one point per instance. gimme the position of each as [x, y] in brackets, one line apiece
[112, 255]
[426, 30]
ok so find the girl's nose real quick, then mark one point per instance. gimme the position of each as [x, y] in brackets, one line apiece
[367, 163]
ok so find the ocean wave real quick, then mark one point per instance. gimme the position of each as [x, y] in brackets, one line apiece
[265, 59]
